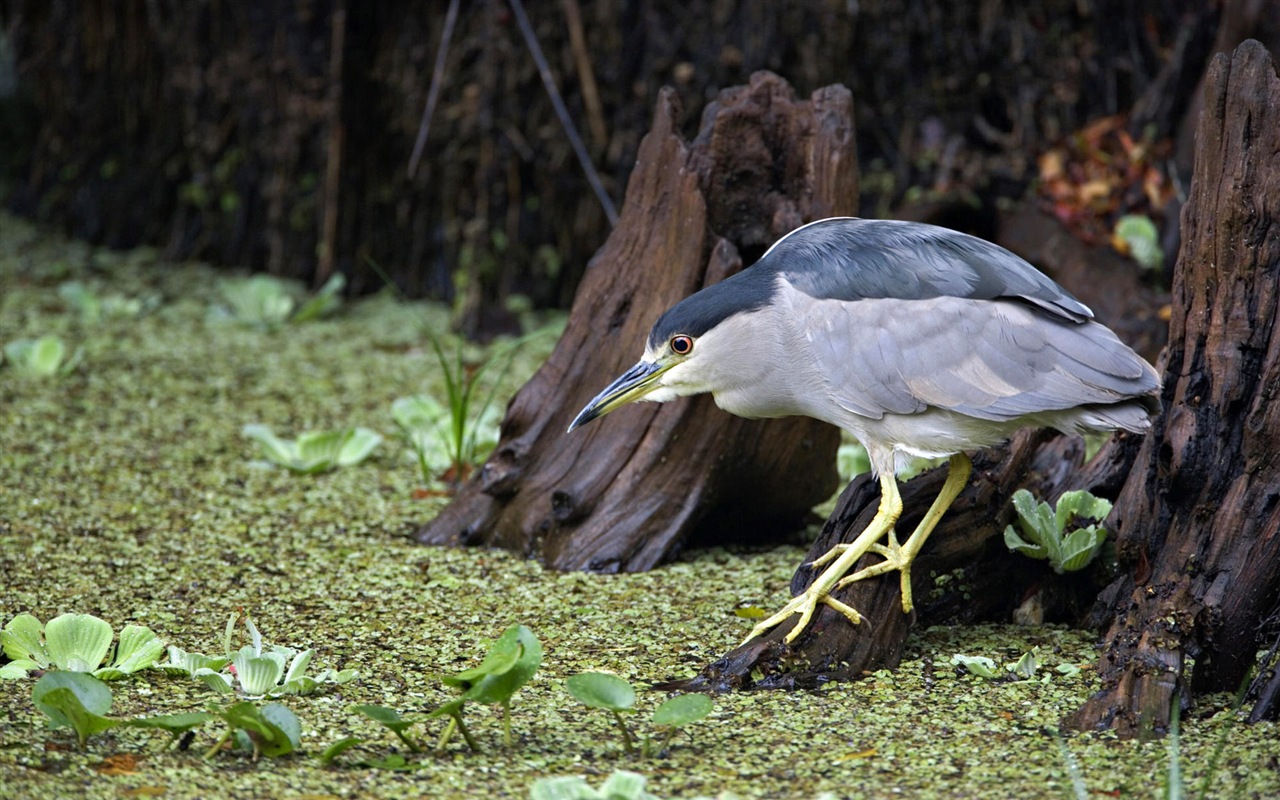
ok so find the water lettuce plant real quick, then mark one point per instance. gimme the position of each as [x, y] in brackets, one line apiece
[1022, 669]
[512, 660]
[266, 302]
[76, 643]
[315, 451]
[620, 785]
[93, 308]
[46, 357]
[1059, 536]
[617, 696]
[260, 670]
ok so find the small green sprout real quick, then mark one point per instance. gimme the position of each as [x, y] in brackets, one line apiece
[76, 643]
[315, 451]
[451, 438]
[439, 449]
[1047, 532]
[266, 302]
[621, 785]
[46, 357]
[273, 670]
[512, 660]
[617, 696]
[270, 731]
[74, 700]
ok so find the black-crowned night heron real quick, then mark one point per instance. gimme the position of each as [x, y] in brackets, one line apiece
[918, 340]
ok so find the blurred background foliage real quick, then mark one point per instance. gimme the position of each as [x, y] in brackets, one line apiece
[277, 134]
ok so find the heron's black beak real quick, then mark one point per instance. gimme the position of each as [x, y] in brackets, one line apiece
[633, 384]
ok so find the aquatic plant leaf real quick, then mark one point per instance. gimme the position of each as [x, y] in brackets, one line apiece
[682, 710]
[499, 687]
[1080, 504]
[77, 642]
[620, 785]
[180, 661]
[277, 450]
[1026, 666]
[1080, 547]
[218, 681]
[45, 357]
[257, 675]
[324, 302]
[74, 700]
[602, 690]
[138, 648]
[22, 640]
[503, 654]
[272, 730]
[981, 666]
[388, 717]
[298, 666]
[338, 748]
[357, 446]
[176, 724]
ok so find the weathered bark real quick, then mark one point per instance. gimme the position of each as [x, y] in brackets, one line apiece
[626, 492]
[1199, 518]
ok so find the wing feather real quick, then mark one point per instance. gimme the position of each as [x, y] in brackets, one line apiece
[990, 359]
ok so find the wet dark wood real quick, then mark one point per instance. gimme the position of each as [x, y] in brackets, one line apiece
[984, 580]
[1199, 517]
[629, 490]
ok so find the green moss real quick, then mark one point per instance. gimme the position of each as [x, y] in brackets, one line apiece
[128, 493]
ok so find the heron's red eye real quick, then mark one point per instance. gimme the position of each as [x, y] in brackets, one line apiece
[682, 345]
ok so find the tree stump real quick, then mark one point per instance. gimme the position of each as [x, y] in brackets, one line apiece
[628, 492]
[1199, 518]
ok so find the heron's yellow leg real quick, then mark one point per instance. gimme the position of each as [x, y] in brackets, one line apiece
[900, 557]
[842, 558]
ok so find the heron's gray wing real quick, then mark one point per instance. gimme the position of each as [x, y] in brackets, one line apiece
[854, 259]
[996, 360]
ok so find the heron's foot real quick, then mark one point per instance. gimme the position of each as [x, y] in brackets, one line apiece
[896, 558]
[804, 604]
[840, 549]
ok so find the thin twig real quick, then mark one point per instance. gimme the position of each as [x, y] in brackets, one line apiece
[562, 112]
[333, 164]
[586, 76]
[433, 94]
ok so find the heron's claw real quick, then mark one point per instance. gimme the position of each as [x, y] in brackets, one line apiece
[804, 604]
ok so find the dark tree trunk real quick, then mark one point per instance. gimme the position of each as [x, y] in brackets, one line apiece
[1199, 518]
[625, 493]
[1197, 507]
